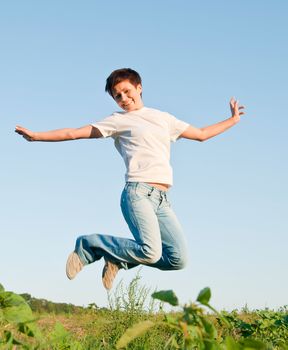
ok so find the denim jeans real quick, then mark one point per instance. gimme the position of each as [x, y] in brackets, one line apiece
[158, 238]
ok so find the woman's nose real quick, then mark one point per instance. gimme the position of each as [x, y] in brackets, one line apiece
[123, 97]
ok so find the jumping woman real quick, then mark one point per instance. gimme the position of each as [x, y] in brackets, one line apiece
[142, 136]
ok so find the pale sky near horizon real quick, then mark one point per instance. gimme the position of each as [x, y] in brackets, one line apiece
[230, 193]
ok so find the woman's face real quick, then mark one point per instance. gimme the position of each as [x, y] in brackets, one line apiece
[127, 96]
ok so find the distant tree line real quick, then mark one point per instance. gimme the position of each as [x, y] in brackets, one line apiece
[43, 305]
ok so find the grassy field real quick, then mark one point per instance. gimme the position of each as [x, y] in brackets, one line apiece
[135, 320]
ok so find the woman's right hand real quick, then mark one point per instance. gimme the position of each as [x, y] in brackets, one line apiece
[27, 134]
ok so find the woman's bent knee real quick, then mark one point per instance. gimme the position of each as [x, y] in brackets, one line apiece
[152, 255]
[178, 263]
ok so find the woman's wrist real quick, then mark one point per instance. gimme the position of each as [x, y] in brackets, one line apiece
[35, 136]
[235, 119]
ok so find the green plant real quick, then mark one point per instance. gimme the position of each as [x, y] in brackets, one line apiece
[193, 328]
[135, 298]
[134, 325]
[16, 319]
[19, 330]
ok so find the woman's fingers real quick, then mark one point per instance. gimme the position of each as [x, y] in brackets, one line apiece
[19, 130]
[27, 134]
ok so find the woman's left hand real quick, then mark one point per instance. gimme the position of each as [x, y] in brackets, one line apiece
[236, 109]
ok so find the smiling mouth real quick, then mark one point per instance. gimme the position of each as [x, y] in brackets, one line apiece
[127, 104]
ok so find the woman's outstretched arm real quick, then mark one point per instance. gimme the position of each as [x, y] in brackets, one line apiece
[66, 134]
[205, 133]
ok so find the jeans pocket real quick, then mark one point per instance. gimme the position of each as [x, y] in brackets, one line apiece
[130, 194]
[138, 193]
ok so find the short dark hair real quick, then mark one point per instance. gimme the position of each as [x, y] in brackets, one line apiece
[122, 74]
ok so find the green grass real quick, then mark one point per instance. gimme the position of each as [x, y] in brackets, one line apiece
[135, 320]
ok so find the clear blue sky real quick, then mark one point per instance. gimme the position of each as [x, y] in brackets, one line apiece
[230, 193]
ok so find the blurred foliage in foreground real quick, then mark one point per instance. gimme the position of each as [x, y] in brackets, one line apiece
[134, 320]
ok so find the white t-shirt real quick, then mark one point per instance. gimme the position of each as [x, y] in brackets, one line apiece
[143, 138]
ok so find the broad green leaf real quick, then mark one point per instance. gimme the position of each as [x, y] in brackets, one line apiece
[253, 344]
[231, 344]
[133, 332]
[209, 328]
[14, 308]
[1, 288]
[204, 296]
[167, 296]
[211, 345]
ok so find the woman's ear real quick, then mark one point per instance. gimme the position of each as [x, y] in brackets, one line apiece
[139, 88]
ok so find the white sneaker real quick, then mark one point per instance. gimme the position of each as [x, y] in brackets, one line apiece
[73, 265]
[109, 273]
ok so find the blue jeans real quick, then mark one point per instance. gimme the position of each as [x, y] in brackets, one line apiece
[158, 238]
